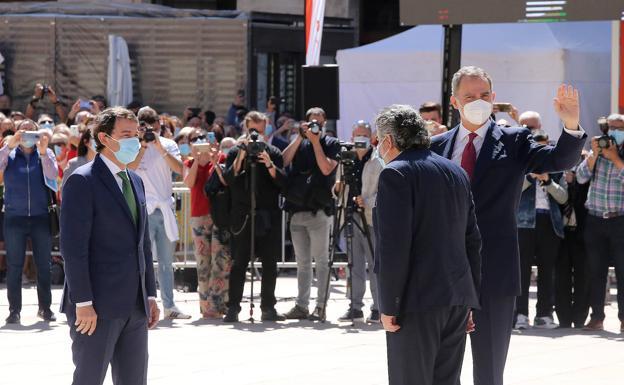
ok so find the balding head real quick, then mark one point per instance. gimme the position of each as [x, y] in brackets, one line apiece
[531, 119]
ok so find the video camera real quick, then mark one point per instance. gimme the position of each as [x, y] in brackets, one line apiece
[254, 147]
[148, 135]
[605, 140]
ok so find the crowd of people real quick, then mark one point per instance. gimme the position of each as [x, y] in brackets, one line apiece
[567, 221]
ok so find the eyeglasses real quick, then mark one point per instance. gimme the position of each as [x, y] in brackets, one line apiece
[46, 122]
[195, 139]
[616, 128]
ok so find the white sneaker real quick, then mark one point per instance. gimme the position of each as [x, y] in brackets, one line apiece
[522, 322]
[175, 313]
[544, 323]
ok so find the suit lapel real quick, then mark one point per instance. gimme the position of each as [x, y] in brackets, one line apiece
[450, 143]
[111, 184]
[485, 155]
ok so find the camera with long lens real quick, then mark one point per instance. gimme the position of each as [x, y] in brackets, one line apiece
[315, 127]
[148, 135]
[255, 147]
[605, 141]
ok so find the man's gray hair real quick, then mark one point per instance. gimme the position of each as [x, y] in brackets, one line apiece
[615, 117]
[470, 72]
[363, 124]
[404, 124]
[530, 115]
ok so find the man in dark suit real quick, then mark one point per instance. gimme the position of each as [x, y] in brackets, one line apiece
[497, 160]
[428, 279]
[110, 291]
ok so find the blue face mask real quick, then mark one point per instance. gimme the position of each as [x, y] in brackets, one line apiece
[29, 139]
[268, 130]
[128, 149]
[58, 150]
[185, 149]
[93, 145]
[618, 136]
[47, 126]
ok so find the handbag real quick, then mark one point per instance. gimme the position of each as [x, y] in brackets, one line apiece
[53, 214]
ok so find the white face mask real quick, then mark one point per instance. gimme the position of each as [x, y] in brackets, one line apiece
[382, 156]
[477, 112]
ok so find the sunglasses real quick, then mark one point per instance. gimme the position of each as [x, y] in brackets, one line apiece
[46, 122]
[195, 139]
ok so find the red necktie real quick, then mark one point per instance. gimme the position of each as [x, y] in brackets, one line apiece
[469, 157]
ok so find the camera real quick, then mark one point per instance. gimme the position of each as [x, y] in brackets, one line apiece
[254, 147]
[314, 127]
[46, 89]
[360, 145]
[347, 157]
[605, 140]
[148, 135]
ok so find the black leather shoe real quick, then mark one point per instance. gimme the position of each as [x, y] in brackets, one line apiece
[46, 315]
[231, 316]
[317, 315]
[13, 318]
[272, 315]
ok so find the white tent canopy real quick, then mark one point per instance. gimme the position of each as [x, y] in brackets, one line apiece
[119, 84]
[526, 61]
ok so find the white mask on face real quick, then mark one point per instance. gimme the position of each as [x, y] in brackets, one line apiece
[381, 155]
[477, 112]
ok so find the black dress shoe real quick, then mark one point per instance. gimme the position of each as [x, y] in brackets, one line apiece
[231, 316]
[46, 315]
[272, 315]
[13, 318]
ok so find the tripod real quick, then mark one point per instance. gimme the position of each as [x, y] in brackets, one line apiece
[252, 248]
[345, 209]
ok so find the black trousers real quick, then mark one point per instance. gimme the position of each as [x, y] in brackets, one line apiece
[604, 241]
[490, 341]
[429, 347]
[542, 246]
[571, 284]
[121, 342]
[267, 248]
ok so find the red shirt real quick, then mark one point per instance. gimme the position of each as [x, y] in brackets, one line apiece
[200, 204]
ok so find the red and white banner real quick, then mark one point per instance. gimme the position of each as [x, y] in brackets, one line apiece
[314, 15]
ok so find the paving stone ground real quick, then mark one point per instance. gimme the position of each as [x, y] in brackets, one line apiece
[295, 353]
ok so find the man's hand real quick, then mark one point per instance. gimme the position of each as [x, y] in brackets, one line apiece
[313, 138]
[42, 145]
[540, 177]
[594, 145]
[74, 110]
[15, 140]
[470, 327]
[265, 159]
[359, 201]
[389, 323]
[38, 93]
[154, 315]
[95, 108]
[52, 95]
[86, 320]
[611, 153]
[567, 106]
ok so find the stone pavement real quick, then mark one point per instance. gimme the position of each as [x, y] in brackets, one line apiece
[295, 353]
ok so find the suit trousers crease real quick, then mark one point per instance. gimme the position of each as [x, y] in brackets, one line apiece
[429, 347]
[571, 284]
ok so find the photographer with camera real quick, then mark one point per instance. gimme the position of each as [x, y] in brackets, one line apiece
[157, 159]
[364, 173]
[309, 202]
[42, 91]
[605, 221]
[255, 178]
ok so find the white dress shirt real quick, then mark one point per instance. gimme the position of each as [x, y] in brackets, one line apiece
[541, 198]
[462, 139]
[114, 169]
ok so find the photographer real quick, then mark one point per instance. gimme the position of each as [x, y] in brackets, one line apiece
[309, 202]
[157, 158]
[251, 154]
[605, 220]
[41, 91]
[432, 113]
[362, 194]
[540, 231]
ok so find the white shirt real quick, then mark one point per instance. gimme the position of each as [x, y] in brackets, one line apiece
[462, 139]
[541, 197]
[158, 182]
[114, 169]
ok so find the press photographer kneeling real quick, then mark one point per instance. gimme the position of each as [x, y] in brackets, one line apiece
[254, 175]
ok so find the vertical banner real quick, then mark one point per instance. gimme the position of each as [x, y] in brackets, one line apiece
[621, 93]
[314, 15]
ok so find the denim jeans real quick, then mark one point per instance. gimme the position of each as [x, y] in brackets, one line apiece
[162, 251]
[17, 229]
[362, 256]
[310, 238]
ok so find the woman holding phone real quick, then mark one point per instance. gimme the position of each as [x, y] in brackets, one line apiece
[212, 271]
[27, 163]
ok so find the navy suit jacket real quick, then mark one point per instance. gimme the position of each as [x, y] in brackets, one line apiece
[428, 243]
[108, 260]
[507, 155]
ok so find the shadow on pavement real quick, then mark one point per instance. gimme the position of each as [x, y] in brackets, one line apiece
[38, 327]
[565, 332]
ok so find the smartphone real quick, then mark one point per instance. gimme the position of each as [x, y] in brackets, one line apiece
[74, 131]
[85, 105]
[503, 107]
[212, 139]
[31, 135]
[202, 147]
